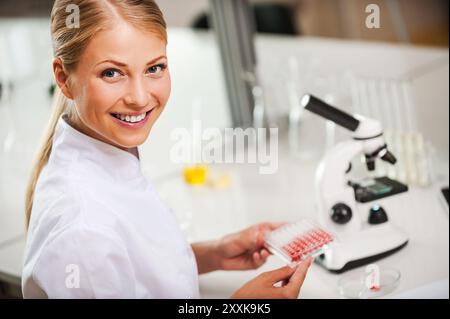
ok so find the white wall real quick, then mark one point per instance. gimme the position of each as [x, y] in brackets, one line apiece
[181, 13]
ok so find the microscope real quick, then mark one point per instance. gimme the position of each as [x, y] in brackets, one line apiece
[359, 240]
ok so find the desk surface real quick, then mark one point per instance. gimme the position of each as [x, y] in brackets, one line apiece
[286, 196]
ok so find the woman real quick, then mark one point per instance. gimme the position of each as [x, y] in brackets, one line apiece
[97, 229]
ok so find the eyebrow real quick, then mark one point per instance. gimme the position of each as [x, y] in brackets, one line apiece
[124, 64]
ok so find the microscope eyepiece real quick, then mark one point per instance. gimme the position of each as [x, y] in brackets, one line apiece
[319, 107]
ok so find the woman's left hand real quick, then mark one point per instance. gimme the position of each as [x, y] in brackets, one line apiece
[245, 249]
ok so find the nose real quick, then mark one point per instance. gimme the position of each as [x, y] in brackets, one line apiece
[137, 93]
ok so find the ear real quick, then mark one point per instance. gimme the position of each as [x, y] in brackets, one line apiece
[61, 78]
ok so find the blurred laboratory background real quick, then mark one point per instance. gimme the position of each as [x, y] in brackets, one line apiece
[241, 63]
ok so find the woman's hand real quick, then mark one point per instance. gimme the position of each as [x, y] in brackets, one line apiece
[263, 285]
[245, 249]
[238, 251]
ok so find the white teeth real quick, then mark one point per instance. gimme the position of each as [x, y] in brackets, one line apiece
[130, 119]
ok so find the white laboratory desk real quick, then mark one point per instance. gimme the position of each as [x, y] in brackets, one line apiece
[288, 196]
[206, 213]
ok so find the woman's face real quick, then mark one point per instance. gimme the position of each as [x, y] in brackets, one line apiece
[120, 85]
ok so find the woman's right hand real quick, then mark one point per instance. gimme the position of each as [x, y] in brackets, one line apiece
[263, 287]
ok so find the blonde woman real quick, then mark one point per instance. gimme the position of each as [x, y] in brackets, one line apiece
[96, 227]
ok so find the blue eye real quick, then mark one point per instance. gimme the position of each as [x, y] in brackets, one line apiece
[155, 69]
[110, 73]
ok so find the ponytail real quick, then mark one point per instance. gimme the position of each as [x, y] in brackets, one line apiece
[60, 105]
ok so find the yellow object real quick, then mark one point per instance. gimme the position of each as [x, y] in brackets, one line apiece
[195, 175]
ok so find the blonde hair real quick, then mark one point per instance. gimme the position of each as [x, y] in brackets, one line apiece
[69, 44]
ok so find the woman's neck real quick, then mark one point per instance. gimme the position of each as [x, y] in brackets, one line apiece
[75, 121]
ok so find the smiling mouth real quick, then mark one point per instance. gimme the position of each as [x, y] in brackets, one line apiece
[131, 119]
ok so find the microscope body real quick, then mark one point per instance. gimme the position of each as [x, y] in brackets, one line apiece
[358, 241]
[335, 197]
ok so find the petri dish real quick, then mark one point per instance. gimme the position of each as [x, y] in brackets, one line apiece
[354, 284]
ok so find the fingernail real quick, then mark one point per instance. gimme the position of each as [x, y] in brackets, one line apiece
[293, 264]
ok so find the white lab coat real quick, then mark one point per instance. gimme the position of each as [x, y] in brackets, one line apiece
[99, 230]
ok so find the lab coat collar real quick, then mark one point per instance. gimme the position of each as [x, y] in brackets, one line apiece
[120, 164]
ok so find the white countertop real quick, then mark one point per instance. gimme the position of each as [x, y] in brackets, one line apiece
[288, 196]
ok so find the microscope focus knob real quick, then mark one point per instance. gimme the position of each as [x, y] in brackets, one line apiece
[341, 213]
